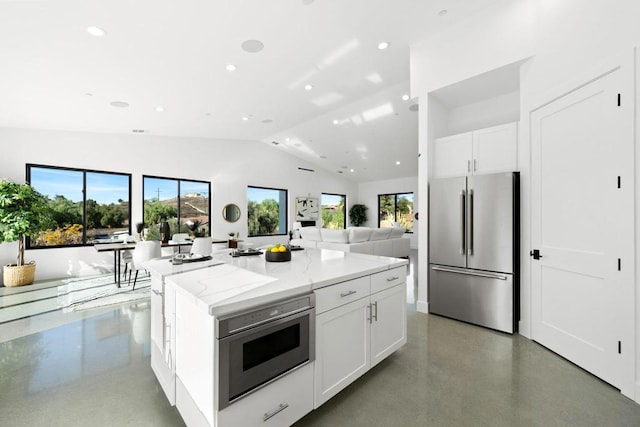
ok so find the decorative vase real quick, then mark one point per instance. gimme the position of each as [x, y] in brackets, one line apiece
[165, 232]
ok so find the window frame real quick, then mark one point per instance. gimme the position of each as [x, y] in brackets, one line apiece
[286, 210]
[178, 180]
[344, 212]
[84, 172]
[395, 211]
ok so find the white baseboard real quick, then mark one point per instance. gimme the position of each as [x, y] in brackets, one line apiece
[422, 307]
[637, 394]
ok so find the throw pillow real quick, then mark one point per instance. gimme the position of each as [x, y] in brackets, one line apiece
[380, 234]
[334, 236]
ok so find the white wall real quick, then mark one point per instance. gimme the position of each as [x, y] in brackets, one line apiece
[368, 195]
[229, 165]
[494, 111]
[569, 39]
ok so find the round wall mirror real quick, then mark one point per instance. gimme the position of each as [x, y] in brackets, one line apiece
[231, 212]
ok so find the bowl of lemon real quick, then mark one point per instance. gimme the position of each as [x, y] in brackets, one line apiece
[277, 253]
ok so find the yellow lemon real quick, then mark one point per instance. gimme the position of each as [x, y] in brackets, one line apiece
[282, 249]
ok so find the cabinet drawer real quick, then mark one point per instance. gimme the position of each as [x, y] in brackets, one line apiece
[336, 295]
[388, 279]
[281, 403]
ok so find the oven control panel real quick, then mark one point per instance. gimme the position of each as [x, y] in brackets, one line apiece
[239, 322]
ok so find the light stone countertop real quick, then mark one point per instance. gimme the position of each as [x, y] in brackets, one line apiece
[244, 282]
[163, 267]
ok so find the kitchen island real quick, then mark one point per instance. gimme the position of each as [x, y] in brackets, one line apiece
[260, 343]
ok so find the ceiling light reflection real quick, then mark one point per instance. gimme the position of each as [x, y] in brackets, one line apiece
[328, 99]
[378, 112]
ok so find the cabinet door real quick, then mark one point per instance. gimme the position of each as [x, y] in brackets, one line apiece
[495, 149]
[389, 327]
[452, 155]
[342, 348]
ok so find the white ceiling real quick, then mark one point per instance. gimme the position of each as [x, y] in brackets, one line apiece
[54, 75]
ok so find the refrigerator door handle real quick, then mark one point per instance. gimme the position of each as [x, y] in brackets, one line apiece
[471, 273]
[470, 251]
[463, 221]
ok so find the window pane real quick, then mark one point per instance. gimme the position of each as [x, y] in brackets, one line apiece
[63, 188]
[108, 207]
[386, 210]
[333, 211]
[404, 212]
[266, 211]
[160, 204]
[194, 207]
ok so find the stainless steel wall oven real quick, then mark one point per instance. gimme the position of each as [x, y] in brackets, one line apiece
[262, 344]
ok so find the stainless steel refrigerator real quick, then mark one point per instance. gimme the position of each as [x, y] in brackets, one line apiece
[474, 249]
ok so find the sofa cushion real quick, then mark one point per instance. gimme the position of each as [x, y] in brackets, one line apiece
[334, 236]
[396, 232]
[380, 234]
[359, 234]
[311, 233]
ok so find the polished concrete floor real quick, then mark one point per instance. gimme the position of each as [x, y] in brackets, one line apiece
[95, 372]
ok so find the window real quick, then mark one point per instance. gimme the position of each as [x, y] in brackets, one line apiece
[184, 204]
[396, 208]
[87, 205]
[266, 211]
[334, 211]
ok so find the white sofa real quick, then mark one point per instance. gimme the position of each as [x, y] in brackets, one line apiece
[364, 240]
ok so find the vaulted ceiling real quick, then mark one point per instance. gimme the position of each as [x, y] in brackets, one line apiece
[310, 77]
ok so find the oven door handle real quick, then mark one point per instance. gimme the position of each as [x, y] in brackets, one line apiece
[281, 408]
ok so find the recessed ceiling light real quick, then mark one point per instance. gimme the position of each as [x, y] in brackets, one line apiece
[405, 97]
[383, 45]
[308, 87]
[252, 46]
[207, 114]
[335, 122]
[119, 104]
[231, 67]
[344, 167]
[245, 118]
[96, 32]
[443, 12]
[352, 170]
[307, 2]
[286, 139]
[137, 130]
[414, 108]
[88, 94]
[397, 162]
[339, 171]
[159, 109]
[323, 157]
[267, 121]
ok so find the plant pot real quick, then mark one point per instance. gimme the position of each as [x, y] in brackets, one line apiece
[165, 232]
[18, 275]
[278, 256]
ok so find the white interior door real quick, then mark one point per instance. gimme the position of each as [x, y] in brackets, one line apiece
[582, 223]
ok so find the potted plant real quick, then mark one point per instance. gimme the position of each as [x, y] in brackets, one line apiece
[358, 215]
[23, 212]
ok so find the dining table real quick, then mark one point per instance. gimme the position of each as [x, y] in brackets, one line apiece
[118, 246]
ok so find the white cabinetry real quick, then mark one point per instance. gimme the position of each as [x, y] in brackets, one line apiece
[281, 403]
[489, 150]
[360, 322]
[163, 335]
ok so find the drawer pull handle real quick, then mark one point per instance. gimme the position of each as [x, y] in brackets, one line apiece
[391, 279]
[281, 408]
[375, 316]
[346, 294]
[157, 292]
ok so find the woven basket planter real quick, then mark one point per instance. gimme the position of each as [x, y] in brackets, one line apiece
[18, 275]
